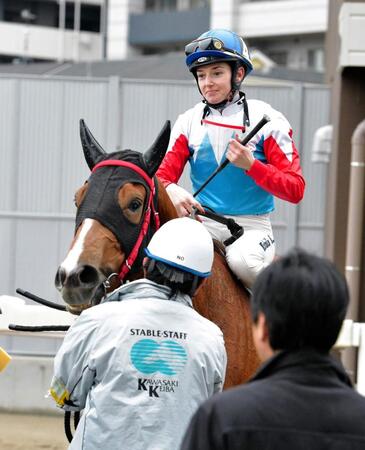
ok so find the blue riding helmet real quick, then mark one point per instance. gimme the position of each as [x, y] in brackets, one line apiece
[217, 45]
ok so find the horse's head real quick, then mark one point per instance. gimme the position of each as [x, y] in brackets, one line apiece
[114, 221]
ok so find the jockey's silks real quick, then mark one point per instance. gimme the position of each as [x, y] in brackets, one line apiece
[234, 191]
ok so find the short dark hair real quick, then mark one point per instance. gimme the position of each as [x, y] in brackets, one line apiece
[177, 280]
[304, 299]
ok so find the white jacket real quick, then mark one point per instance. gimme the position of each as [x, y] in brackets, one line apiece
[139, 368]
[276, 170]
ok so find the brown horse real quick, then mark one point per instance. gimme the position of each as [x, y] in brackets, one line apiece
[116, 215]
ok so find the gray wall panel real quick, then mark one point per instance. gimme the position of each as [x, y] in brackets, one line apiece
[284, 226]
[36, 255]
[39, 136]
[143, 114]
[180, 98]
[279, 97]
[311, 214]
[65, 233]
[9, 120]
[311, 238]
[87, 101]
[7, 252]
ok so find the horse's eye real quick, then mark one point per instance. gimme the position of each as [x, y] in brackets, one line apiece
[134, 205]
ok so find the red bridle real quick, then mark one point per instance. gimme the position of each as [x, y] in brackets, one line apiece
[127, 265]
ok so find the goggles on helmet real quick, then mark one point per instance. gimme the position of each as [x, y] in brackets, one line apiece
[208, 43]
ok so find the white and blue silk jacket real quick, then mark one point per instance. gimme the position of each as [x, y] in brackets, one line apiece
[203, 142]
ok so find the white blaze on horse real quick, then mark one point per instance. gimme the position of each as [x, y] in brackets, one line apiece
[118, 209]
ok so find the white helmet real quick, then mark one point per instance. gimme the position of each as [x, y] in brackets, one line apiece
[185, 244]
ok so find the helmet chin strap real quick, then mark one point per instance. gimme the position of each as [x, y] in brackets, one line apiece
[219, 105]
[242, 100]
[235, 87]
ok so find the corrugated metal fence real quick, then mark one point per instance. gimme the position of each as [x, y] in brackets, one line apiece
[42, 163]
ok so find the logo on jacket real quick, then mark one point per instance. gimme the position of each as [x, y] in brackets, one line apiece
[167, 357]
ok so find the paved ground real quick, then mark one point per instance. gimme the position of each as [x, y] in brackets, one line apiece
[32, 432]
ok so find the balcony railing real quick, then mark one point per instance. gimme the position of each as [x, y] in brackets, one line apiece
[156, 28]
[39, 42]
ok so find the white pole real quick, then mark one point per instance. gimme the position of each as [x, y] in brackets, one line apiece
[61, 26]
[76, 41]
[360, 385]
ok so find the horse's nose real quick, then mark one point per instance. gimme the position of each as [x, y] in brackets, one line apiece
[60, 277]
[88, 275]
[81, 276]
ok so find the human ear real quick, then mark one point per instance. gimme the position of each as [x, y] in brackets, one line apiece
[261, 337]
[263, 332]
[240, 74]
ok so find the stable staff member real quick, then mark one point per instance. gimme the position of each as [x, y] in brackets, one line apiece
[141, 363]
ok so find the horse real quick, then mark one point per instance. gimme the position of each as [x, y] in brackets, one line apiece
[118, 209]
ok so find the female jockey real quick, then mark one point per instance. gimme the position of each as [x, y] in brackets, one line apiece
[211, 132]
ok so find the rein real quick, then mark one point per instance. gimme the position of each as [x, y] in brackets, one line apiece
[127, 265]
[233, 227]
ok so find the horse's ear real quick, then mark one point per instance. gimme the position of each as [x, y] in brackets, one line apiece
[92, 149]
[154, 155]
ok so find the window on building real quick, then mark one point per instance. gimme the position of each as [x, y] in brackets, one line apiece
[160, 5]
[70, 15]
[12, 10]
[198, 3]
[46, 13]
[280, 57]
[316, 59]
[90, 18]
[32, 12]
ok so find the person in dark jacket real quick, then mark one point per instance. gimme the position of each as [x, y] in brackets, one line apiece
[301, 397]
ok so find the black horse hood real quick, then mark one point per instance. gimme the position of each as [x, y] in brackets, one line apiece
[101, 200]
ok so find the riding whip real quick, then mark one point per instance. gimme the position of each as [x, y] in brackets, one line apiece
[265, 119]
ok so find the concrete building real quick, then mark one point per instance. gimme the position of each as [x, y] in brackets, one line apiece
[289, 32]
[52, 30]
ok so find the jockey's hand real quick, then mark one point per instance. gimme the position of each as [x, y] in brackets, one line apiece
[240, 155]
[182, 200]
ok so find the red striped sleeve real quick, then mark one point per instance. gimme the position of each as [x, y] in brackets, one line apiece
[173, 164]
[281, 177]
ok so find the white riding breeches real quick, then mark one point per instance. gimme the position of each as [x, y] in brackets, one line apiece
[253, 251]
